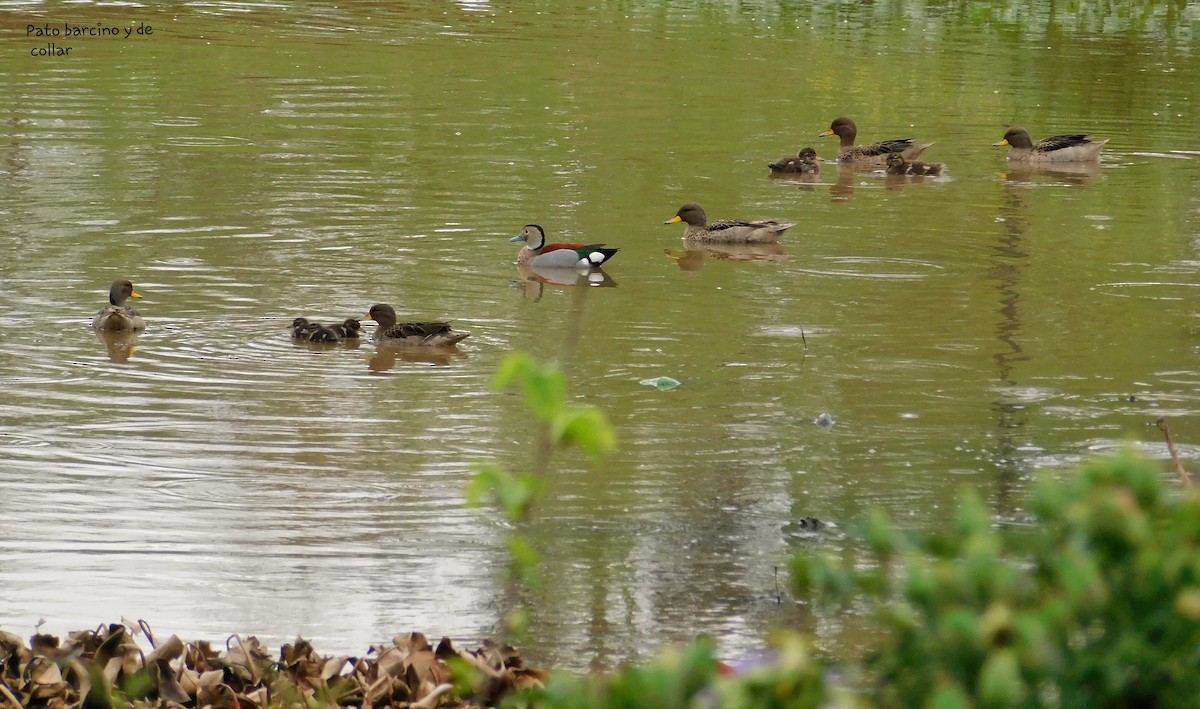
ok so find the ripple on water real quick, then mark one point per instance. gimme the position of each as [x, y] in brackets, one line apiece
[875, 268]
[1147, 290]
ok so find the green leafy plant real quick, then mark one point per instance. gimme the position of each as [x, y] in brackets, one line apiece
[786, 678]
[1096, 605]
[561, 424]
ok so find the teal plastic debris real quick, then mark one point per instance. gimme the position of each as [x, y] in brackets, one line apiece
[661, 383]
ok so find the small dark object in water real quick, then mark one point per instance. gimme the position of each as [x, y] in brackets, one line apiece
[897, 165]
[804, 162]
[811, 523]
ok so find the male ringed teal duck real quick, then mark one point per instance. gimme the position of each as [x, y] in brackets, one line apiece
[897, 165]
[411, 334]
[804, 162]
[1074, 147]
[537, 252]
[116, 315]
[873, 153]
[727, 231]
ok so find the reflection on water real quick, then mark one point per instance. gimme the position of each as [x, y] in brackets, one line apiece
[384, 358]
[212, 476]
[535, 279]
[120, 344]
[1068, 173]
[695, 255]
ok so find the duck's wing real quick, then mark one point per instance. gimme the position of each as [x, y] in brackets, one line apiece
[1061, 142]
[883, 147]
[404, 330]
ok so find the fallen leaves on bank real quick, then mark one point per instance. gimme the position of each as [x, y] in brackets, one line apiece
[107, 668]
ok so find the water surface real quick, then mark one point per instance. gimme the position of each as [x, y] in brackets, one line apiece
[249, 162]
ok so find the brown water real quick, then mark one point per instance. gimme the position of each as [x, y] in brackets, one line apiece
[249, 162]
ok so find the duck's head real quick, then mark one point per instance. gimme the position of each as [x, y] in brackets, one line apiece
[691, 213]
[533, 235]
[842, 127]
[1017, 137]
[121, 290]
[383, 314]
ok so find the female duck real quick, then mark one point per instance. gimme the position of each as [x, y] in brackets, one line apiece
[1076, 147]
[873, 154]
[411, 334]
[542, 255]
[116, 315]
[804, 162]
[727, 231]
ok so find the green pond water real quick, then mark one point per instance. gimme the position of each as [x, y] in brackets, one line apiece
[245, 163]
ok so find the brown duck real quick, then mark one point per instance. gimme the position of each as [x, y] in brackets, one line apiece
[411, 334]
[1075, 147]
[873, 153]
[116, 315]
[727, 231]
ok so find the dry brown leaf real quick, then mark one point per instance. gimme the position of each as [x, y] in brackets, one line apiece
[391, 661]
[169, 650]
[112, 670]
[43, 671]
[411, 642]
[333, 666]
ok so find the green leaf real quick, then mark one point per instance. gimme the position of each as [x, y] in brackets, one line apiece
[587, 428]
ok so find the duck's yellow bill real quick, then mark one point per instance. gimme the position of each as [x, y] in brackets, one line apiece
[673, 219]
[1000, 144]
[134, 294]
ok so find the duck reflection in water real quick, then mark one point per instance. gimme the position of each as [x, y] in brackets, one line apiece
[694, 256]
[120, 344]
[384, 359]
[1080, 173]
[534, 279]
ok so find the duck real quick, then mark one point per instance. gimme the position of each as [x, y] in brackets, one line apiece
[873, 153]
[348, 329]
[309, 331]
[538, 253]
[302, 326]
[804, 162]
[116, 315]
[1074, 147]
[897, 165]
[411, 334]
[728, 231]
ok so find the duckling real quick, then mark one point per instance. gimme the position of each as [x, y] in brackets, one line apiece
[804, 162]
[116, 315]
[872, 153]
[897, 165]
[348, 329]
[322, 334]
[1075, 147]
[302, 326]
[728, 231]
[411, 334]
[542, 255]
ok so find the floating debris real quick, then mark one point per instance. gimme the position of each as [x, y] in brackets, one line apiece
[661, 383]
[825, 421]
